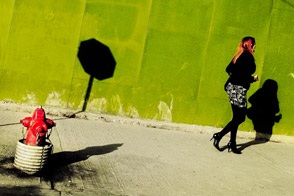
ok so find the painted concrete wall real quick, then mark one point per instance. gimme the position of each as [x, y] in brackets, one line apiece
[171, 55]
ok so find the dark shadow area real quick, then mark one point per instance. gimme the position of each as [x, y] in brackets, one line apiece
[251, 143]
[7, 168]
[57, 169]
[263, 113]
[69, 157]
[98, 61]
[264, 110]
[28, 190]
[245, 145]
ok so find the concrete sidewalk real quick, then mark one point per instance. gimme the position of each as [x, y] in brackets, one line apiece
[93, 157]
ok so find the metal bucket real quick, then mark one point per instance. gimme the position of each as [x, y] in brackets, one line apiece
[31, 159]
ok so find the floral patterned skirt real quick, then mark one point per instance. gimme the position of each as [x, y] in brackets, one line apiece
[237, 95]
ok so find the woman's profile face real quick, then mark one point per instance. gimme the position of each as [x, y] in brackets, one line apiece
[253, 48]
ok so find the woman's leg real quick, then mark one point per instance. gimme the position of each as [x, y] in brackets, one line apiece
[227, 129]
[239, 115]
[218, 136]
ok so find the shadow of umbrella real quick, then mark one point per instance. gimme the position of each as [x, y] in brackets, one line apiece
[96, 60]
[58, 170]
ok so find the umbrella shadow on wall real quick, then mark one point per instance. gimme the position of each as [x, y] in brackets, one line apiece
[97, 61]
[264, 112]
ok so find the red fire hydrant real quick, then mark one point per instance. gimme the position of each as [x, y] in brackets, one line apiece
[37, 127]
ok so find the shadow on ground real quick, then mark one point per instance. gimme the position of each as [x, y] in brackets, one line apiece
[57, 169]
[7, 168]
[243, 146]
[251, 143]
[24, 191]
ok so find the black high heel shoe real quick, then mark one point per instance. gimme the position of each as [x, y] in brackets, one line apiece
[233, 148]
[216, 138]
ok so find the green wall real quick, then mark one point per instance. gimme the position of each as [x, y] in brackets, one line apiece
[171, 55]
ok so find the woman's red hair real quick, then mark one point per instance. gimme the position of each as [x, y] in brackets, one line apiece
[247, 43]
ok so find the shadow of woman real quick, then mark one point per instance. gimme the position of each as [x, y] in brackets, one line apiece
[57, 168]
[263, 112]
[251, 143]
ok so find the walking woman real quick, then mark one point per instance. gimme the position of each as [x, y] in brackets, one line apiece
[240, 72]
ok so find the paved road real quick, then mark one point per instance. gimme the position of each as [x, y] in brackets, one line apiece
[98, 158]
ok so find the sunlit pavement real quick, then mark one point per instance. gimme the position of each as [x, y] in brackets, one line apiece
[101, 158]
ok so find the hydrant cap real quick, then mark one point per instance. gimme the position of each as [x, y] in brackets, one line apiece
[39, 114]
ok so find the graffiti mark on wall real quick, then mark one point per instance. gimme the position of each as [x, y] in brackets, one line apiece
[165, 111]
[99, 104]
[54, 99]
[116, 105]
[30, 99]
[133, 112]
